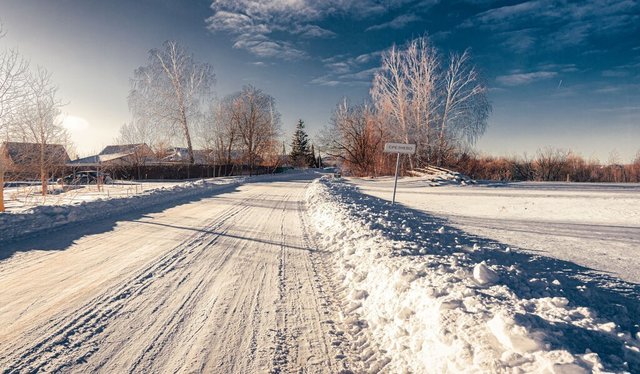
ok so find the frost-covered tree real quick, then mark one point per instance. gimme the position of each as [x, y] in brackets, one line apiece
[171, 89]
[404, 93]
[300, 150]
[439, 106]
[464, 106]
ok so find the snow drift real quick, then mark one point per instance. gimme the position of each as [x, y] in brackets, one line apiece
[437, 299]
[48, 217]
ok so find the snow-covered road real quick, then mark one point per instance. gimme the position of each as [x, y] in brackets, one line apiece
[231, 282]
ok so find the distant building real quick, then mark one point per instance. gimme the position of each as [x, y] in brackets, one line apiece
[22, 160]
[117, 155]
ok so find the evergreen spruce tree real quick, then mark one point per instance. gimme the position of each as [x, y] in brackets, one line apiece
[311, 158]
[299, 155]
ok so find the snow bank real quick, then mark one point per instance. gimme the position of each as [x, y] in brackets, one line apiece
[439, 300]
[49, 217]
[437, 176]
[44, 218]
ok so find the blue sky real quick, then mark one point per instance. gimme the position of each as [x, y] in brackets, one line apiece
[561, 73]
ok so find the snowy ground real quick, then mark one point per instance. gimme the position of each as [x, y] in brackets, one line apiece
[225, 281]
[437, 298]
[285, 274]
[593, 225]
[25, 197]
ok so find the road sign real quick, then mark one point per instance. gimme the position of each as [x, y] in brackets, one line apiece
[408, 149]
[398, 148]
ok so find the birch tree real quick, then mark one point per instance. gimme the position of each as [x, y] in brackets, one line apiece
[464, 104]
[38, 121]
[404, 91]
[13, 74]
[437, 107]
[171, 89]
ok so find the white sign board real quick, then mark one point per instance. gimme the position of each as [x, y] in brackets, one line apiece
[400, 148]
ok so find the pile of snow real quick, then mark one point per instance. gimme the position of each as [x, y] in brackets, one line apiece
[47, 217]
[439, 300]
[16, 225]
[438, 176]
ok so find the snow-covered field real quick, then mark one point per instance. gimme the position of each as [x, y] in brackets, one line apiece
[437, 298]
[282, 274]
[593, 225]
[225, 281]
[25, 197]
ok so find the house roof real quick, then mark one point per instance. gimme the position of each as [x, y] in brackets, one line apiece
[121, 149]
[91, 160]
[22, 153]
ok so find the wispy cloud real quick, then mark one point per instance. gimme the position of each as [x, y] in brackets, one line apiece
[396, 23]
[559, 24]
[271, 28]
[520, 79]
[349, 70]
[363, 77]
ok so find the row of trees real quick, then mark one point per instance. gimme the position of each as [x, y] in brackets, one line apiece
[547, 165]
[172, 99]
[29, 111]
[418, 97]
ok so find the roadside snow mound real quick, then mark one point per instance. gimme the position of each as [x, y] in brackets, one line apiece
[439, 300]
[48, 217]
[438, 176]
[44, 218]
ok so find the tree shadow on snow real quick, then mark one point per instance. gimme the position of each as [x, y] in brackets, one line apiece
[538, 276]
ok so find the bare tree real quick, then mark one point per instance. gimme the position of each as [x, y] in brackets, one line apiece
[438, 109]
[254, 115]
[141, 137]
[13, 74]
[391, 93]
[226, 131]
[356, 137]
[550, 164]
[404, 91]
[171, 89]
[38, 121]
[464, 104]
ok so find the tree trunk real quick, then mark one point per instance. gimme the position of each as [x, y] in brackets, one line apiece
[1, 190]
[43, 171]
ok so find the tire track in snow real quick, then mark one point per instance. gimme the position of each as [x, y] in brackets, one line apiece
[75, 333]
[244, 289]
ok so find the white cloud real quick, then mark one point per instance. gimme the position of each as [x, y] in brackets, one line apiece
[254, 23]
[520, 79]
[396, 23]
[313, 31]
[559, 24]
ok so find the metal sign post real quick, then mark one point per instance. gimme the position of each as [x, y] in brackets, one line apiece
[398, 148]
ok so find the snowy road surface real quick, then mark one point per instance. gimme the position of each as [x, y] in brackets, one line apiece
[593, 225]
[227, 283]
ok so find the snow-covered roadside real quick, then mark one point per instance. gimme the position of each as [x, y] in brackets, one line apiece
[438, 299]
[49, 217]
